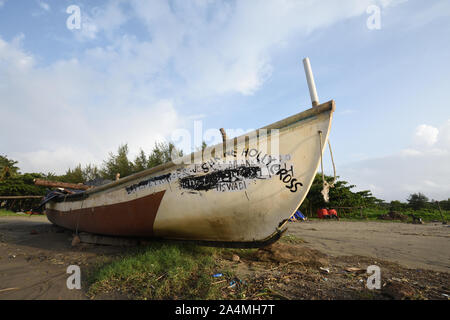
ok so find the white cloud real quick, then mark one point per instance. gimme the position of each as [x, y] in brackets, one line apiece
[140, 129]
[106, 19]
[425, 135]
[410, 152]
[222, 47]
[54, 160]
[425, 168]
[211, 47]
[75, 110]
[45, 6]
[127, 89]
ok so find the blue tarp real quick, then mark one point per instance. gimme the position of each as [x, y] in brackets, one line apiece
[297, 216]
[54, 194]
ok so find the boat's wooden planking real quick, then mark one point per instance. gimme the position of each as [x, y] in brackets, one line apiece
[243, 197]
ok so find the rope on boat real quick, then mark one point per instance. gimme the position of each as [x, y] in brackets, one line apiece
[78, 218]
[326, 186]
[332, 161]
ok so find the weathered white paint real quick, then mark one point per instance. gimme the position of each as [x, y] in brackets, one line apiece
[311, 83]
[251, 214]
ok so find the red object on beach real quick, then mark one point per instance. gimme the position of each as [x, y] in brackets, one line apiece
[322, 213]
[332, 212]
[33, 212]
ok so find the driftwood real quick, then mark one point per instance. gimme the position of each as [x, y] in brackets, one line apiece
[56, 184]
[19, 197]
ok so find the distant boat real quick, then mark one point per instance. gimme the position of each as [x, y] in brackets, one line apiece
[242, 196]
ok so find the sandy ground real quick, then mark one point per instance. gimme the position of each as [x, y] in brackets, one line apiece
[34, 256]
[424, 246]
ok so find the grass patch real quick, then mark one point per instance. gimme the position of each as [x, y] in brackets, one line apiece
[290, 238]
[159, 271]
[372, 214]
[227, 253]
[7, 213]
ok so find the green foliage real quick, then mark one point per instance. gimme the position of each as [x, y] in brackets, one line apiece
[417, 201]
[73, 175]
[7, 213]
[340, 195]
[7, 167]
[425, 214]
[160, 271]
[21, 185]
[11, 164]
[445, 204]
[397, 206]
[77, 174]
[162, 153]
[90, 172]
[141, 162]
[119, 163]
[116, 163]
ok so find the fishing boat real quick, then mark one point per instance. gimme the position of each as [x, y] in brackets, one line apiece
[239, 192]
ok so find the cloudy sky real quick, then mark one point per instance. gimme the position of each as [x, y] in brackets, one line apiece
[135, 71]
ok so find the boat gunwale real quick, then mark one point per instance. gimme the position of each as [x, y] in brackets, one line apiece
[314, 111]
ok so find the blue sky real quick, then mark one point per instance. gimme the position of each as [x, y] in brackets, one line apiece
[138, 70]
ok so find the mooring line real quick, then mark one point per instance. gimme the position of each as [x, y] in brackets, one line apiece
[78, 219]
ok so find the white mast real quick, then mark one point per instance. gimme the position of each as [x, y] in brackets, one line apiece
[311, 84]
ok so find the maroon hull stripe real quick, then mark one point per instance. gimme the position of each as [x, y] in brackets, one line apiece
[131, 218]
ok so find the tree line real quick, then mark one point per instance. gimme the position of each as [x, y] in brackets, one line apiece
[342, 195]
[15, 183]
[12, 182]
[119, 163]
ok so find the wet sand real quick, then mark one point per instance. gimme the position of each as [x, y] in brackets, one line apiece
[424, 246]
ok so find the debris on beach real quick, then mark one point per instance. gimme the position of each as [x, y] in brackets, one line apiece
[355, 270]
[393, 215]
[283, 252]
[399, 290]
[324, 270]
[76, 241]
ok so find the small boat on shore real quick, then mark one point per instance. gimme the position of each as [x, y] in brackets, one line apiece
[241, 191]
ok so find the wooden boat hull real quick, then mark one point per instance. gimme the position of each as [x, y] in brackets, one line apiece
[244, 196]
